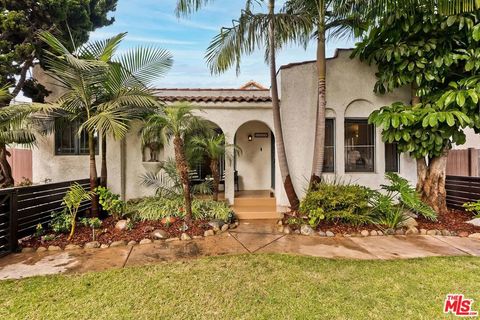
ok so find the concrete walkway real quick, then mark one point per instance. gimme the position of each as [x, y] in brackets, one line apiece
[250, 237]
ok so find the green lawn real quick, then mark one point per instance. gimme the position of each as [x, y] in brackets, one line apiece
[249, 287]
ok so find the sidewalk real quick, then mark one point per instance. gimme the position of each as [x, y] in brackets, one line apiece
[248, 238]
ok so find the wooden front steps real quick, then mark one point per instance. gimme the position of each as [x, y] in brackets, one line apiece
[253, 208]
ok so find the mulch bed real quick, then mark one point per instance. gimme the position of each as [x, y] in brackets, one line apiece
[453, 220]
[108, 234]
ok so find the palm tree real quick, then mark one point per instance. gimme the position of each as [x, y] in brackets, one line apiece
[247, 35]
[103, 93]
[19, 124]
[177, 123]
[214, 147]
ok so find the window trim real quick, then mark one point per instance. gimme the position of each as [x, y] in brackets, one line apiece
[374, 144]
[334, 120]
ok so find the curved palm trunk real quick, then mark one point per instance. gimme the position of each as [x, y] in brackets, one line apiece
[6, 176]
[277, 123]
[93, 174]
[103, 171]
[182, 170]
[319, 146]
[216, 178]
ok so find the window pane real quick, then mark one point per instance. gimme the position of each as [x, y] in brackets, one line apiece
[359, 146]
[391, 157]
[65, 140]
[329, 159]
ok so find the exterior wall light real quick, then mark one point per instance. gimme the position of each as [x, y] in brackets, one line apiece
[250, 138]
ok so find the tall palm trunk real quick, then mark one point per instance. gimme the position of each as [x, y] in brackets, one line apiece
[277, 122]
[216, 177]
[103, 170]
[93, 174]
[6, 176]
[182, 170]
[319, 142]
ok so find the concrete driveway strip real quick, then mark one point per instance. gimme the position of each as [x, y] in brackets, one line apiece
[394, 247]
[468, 245]
[318, 247]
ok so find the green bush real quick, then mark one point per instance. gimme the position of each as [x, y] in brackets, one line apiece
[111, 202]
[348, 203]
[61, 222]
[157, 208]
[473, 207]
[385, 212]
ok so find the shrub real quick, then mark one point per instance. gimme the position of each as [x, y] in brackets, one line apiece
[111, 202]
[385, 212]
[61, 222]
[337, 202]
[157, 208]
[473, 207]
[93, 223]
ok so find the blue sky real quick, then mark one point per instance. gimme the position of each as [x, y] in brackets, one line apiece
[153, 23]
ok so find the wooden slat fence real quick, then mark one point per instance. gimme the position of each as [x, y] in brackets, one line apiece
[464, 162]
[23, 208]
[462, 189]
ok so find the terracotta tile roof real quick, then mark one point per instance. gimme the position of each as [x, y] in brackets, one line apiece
[215, 99]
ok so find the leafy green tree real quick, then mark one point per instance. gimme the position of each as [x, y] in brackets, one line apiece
[177, 123]
[20, 23]
[437, 56]
[215, 148]
[102, 92]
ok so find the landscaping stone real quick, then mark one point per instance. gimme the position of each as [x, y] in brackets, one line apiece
[145, 241]
[216, 224]
[409, 222]
[390, 232]
[475, 222]
[373, 233]
[160, 234]
[54, 248]
[197, 237]
[445, 232]
[280, 222]
[463, 234]
[209, 233]
[118, 243]
[322, 233]
[432, 232]
[27, 250]
[330, 233]
[306, 230]
[399, 232]
[364, 233]
[185, 237]
[132, 243]
[379, 233]
[224, 228]
[474, 236]
[41, 249]
[287, 230]
[412, 230]
[296, 231]
[172, 239]
[439, 233]
[347, 235]
[72, 247]
[423, 232]
[92, 245]
[148, 229]
[121, 225]
[104, 246]
[232, 225]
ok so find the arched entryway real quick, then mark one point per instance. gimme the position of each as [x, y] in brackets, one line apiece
[254, 172]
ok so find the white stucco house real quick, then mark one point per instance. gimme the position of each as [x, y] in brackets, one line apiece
[354, 149]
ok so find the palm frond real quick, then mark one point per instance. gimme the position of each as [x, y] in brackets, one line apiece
[101, 50]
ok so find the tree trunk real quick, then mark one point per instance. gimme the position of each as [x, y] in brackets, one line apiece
[277, 122]
[93, 174]
[6, 177]
[103, 170]
[23, 77]
[319, 143]
[431, 184]
[216, 178]
[182, 170]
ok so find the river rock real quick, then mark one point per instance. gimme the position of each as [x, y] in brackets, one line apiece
[209, 233]
[160, 234]
[145, 241]
[185, 237]
[92, 245]
[432, 232]
[117, 243]
[121, 224]
[306, 230]
[224, 228]
[411, 230]
[364, 233]
[28, 249]
[72, 247]
[474, 236]
[330, 234]
[474, 222]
